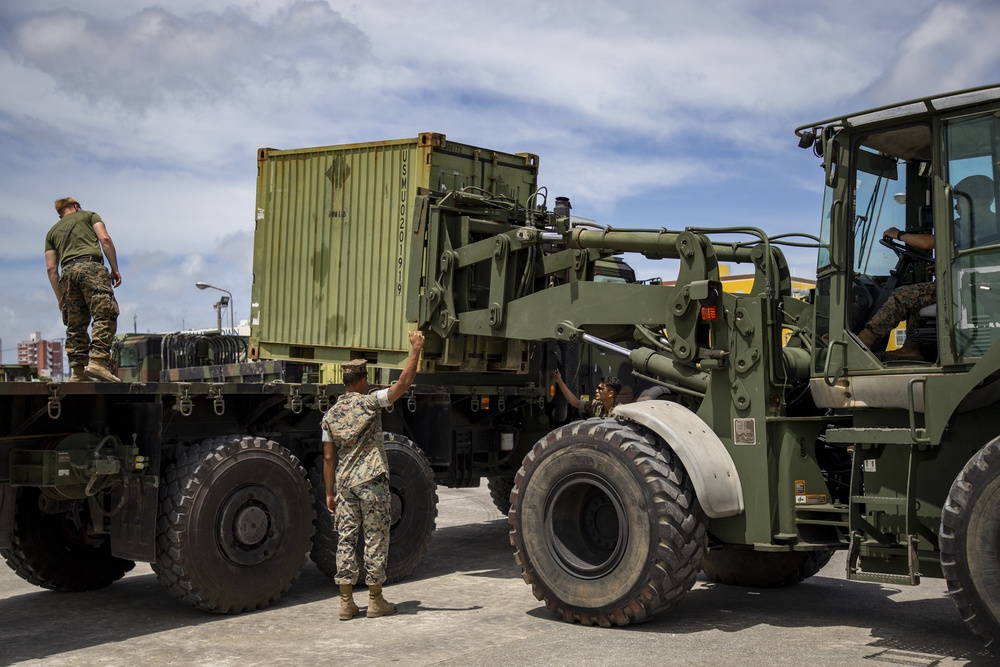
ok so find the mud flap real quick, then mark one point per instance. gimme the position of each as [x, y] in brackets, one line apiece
[133, 528]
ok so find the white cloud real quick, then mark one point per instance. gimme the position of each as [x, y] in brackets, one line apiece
[954, 44]
[151, 114]
[155, 57]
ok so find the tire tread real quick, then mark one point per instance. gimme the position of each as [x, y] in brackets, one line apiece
[681, 533]
[982, 468]
[182, 481]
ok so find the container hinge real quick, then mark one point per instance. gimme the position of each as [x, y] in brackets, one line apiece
[55, 403]
[184, 404]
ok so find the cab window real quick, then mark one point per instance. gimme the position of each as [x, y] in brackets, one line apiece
[971, 145]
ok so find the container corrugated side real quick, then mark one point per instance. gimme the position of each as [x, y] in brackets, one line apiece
[332, 241]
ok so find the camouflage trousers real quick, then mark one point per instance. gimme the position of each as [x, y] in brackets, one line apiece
[363, 508]
[903, 304]
[87, 294]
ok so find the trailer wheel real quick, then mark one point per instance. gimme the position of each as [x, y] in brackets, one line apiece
[500, 488]
[605, 525]
[969, 540]
[762, 569]
[54, 551]
[413, 494]
[235, 524]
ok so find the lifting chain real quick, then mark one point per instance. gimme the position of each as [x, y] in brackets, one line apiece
[411, 402]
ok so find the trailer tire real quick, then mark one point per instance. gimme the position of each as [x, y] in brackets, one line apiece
[52, 550]
[235, 524]
[969, 540]
[763, 569]
[413, 494]
[605, 524]
[500, 488]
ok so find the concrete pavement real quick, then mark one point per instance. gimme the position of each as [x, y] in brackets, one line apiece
[466, 605]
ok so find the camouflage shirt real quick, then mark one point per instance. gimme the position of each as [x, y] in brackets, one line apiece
[354, 425]
[596, 409]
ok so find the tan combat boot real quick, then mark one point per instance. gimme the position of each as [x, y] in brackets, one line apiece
[910, 351]
[377, 605]
[96, 370]
[77, 375]
[868, 338]
[348, 609]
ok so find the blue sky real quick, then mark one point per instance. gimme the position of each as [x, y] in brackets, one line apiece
[645, 114]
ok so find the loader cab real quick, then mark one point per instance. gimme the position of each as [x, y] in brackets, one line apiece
[890, 190]
[929, 167]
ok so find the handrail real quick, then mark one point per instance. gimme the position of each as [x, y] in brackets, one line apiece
[826, 364]
[919, 435]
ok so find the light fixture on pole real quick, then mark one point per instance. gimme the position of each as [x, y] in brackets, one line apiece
[222, 302]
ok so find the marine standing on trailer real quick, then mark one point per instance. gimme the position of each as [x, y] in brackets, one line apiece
[356, 475]
[84, 290]
[605, 397]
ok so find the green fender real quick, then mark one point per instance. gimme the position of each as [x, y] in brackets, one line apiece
[713, 473]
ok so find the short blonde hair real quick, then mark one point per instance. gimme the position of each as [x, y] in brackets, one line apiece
[64, 202]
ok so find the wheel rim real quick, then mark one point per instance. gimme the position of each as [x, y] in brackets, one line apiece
[586, 525]
[248, 530]
[395, 506]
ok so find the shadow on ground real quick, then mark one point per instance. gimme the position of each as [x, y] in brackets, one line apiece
[42, 623]
[917, 633]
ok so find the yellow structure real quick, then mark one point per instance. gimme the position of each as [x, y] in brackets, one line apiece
[801, 287]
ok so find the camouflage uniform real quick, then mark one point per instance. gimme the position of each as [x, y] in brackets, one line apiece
[903, 304]
[86, 294]
[85, 288]
[354, 425]
[596, 409]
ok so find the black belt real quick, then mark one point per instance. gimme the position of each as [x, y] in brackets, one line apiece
[77, 260]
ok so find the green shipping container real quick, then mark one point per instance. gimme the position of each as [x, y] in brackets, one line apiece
[333, 240]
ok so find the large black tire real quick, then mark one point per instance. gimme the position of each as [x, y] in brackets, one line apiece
[969, 539]
[605, 524]
[235, 524]
[500, 488]
[413, 494]
[53, 550]
[763, 569]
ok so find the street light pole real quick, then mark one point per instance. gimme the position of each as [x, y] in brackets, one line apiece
[218, 309]
[219, 305]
